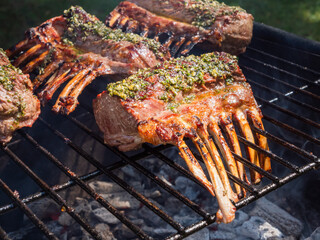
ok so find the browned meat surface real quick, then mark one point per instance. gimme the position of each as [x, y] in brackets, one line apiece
[18, 106]
[186, 22]
[77, 47]
[188, 97]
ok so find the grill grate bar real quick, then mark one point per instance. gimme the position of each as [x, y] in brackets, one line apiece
[82, 184]
[273, 156]
[140, 168]
[37, 222]
[286, 96]
[283, 71]
[254, 167]
[291, 129]
[250, 165]
[273, 186]
[71, 183]
[193, 229]
[304, 52]
[243, 184]
[285, 144]
[3, 235]
[306, 120]
[57, 198]
[284, 60]
[42, 194]
[195, 207]
[296, 89]
[167, 187]
[173, 164]
[123, 184]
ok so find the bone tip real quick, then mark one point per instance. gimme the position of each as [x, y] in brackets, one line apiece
[55, 109]
[256, 181]
[225, 219]
[219, 217]
[235, 198]
[241, 195]
[230, 217]
[268, 169]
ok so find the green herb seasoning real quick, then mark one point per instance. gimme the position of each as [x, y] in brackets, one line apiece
[21, 108]
[206, 11]
[3, 52]
[82, 24]
[7, 74]
[177, 75]
[46, 61]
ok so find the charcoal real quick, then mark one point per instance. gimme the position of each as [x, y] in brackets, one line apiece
[160, 232]
[105, 232]
[103, 215]
[240, 218]
[202, 234]
[121, 200]
[185, 220]
[257, 228]
[44, 208]
[171, 205]
[65, 219]
[105, 187]
[153, 194]
[315, 235]
[149, 217]
[222, 235]
[123, 232]
[129, 172]
[277, 217]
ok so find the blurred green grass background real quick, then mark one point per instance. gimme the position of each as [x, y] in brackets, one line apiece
[299, 17]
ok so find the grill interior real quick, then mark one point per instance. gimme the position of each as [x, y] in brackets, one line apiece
[282, 70]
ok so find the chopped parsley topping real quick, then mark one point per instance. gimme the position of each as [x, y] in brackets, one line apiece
[177, 75]
[7, 74]
[207, 11]
[82, 24]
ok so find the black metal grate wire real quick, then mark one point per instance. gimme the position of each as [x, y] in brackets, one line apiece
[284, 84]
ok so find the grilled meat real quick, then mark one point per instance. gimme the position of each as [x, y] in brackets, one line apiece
[77, 47]
[186, 23]
[18, 106]
[187, 97]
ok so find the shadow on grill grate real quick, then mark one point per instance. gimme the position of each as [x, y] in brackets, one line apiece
[59, 156]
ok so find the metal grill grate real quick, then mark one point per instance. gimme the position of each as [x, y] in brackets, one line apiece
[287, 86]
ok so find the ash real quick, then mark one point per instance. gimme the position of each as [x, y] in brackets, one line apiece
[271, 217]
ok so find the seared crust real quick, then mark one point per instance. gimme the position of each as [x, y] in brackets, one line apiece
[150, 119]
[18, 106]
[217, 26]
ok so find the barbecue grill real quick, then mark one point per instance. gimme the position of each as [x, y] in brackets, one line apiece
[283, 71]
